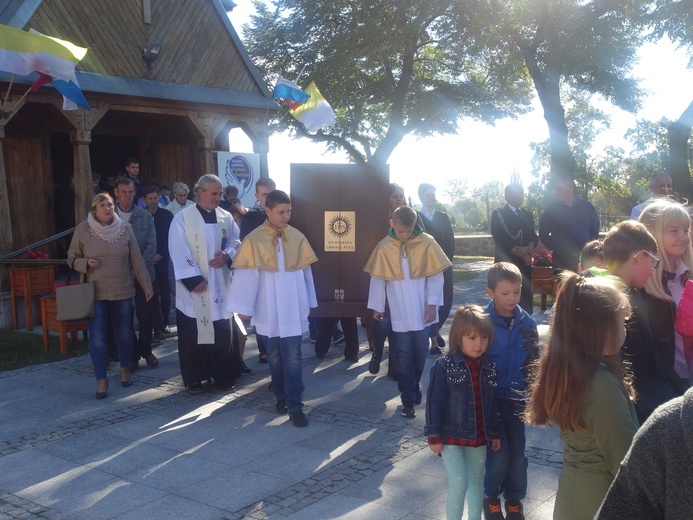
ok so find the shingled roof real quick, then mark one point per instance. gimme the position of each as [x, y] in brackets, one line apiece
[202, 59]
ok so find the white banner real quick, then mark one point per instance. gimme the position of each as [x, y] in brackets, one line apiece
[241, 170]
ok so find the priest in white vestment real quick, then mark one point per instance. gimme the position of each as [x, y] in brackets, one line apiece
[202, 272]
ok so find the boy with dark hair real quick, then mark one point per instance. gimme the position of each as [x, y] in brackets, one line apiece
[253, 219]
[273, 284]
[256, 215]
[630, 252]
[406, 269]
[514, 348]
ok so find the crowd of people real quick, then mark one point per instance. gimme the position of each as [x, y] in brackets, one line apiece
[619, 352]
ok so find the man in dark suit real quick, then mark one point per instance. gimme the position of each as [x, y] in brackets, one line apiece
[513, 234]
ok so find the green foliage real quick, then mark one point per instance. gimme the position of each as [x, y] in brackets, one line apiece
[673, 18]
[470, 215]
[389, 67]
[585, 45]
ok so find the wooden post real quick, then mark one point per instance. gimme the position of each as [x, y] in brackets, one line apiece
[204, 148]
[80, 140]
[5, 218]
[261, 147]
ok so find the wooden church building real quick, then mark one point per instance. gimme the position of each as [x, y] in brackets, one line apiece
[166, 80]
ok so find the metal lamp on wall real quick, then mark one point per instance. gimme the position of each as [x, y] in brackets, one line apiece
[150, 55]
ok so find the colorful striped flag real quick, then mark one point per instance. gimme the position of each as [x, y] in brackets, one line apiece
[316, 113]
[72, 94]
[24, 52]
[290, 92]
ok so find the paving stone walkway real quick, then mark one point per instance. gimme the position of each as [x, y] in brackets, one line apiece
[153, 451]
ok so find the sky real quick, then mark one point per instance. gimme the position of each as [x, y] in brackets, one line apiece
[480, 152]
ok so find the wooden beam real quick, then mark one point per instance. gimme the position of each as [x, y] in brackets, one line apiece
[5, 218]
[82, 173]
[82, 119]
[146, 11]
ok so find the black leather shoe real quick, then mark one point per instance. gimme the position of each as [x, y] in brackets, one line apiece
[281, 407]
[102, 395]
[245, 368]
[298, 418]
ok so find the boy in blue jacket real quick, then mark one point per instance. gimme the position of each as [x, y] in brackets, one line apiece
[514, 348]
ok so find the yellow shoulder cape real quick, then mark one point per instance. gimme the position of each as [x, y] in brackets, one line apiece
[425, 258]
[258, 250]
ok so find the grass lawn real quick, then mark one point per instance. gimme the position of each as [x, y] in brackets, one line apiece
[21, 349]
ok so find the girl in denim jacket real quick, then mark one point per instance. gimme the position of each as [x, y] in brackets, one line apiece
[461, 417]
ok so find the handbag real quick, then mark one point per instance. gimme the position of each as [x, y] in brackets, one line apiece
[75, 302]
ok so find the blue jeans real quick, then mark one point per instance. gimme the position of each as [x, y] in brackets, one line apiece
[118, 312]
[412, 350]
[381, 332]
[286, 369]
[506, 470]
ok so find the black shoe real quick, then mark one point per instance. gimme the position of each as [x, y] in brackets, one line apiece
[408, 410]
[263, 358]
[492, 509]
[352, 359]
[441, 342]
[151, 360]
[435, 351]
[374, 363]
[298, 418]
[102, 395]
[245, 368]
[281, 407]
[418, 397]
[513, 510]
[195, 388]
[157, 338]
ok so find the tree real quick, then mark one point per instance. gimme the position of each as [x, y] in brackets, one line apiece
[389, 67]
[674, 18]
[585, 45]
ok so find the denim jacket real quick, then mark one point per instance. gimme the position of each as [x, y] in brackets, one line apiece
[450, 408]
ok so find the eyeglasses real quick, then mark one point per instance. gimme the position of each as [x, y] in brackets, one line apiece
[655, 259]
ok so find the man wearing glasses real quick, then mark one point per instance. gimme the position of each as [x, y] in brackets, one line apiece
[630, 253]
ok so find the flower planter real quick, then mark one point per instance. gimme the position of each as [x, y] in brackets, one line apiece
[28, 282]
[49, 310]
[543, 283]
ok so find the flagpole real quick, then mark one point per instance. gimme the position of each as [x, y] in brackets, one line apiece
[300, 73]
[19, 101]
[9, 89]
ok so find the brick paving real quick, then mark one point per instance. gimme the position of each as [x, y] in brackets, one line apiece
[386, 442]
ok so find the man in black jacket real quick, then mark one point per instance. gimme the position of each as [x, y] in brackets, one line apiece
[512, 228]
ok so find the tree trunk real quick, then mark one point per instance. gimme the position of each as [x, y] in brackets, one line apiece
[679, 133]
[548, 86]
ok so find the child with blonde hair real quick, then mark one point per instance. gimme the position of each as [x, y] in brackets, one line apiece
[580, 387]
[461, 416]
[669, 223]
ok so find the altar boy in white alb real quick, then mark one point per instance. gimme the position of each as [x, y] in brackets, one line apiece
[273, 283]
[202, 272]
[406, 269]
